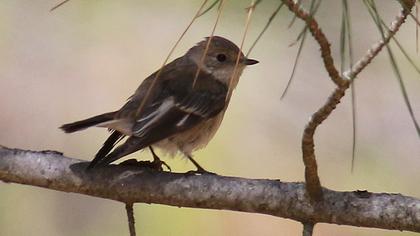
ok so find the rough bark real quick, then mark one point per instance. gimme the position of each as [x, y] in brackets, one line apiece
[129, 184]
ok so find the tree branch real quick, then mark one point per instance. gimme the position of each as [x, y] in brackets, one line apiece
[130, 218]
[308, 146]
[130, 184]
[308, 229]
[314, 187]
[377, 47]
[320, 37]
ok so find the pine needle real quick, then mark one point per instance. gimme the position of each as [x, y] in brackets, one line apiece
[377, 19]
[301, 37]
[265, 28]
[200, 65]
[59, 5]
[251, 10]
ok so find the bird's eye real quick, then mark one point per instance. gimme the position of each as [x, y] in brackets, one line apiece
[221, 57]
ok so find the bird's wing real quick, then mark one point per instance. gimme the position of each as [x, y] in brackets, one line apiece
[176, 115]
[181, 107]
[129, 110]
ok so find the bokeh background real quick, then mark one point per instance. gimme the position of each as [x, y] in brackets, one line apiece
[87, 57]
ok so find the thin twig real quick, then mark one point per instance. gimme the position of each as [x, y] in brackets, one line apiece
[374, 51]
[298, 2]
[130, 217]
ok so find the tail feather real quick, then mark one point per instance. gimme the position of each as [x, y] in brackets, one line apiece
[83, 124]
[133, 144]
[109, 144]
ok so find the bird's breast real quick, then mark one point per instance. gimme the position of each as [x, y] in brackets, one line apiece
[193, 139]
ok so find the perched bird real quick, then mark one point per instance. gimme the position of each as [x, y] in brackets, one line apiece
[183, 110]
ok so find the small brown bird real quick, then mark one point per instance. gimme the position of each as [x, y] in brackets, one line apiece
[176, 116]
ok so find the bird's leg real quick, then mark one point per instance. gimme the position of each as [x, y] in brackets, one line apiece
[157, 161]
[200, 169]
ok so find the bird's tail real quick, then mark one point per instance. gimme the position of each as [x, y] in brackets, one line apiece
[83, 124]
[109, 144]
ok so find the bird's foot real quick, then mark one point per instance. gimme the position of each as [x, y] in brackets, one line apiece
[156, 164]
[200, 171]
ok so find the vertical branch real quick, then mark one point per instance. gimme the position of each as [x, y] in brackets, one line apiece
[313, 186]
[130, 217]
[308, 147]
[308, 229]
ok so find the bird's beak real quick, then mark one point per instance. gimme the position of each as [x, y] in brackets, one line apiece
[249, 62]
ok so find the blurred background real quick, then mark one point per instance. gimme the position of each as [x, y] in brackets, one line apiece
[88, 57]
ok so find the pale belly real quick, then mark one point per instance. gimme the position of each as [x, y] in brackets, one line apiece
[192, 139]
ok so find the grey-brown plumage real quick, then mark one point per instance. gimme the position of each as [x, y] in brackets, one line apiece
[177, 116]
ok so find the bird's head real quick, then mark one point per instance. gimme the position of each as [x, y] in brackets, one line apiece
[220, 59]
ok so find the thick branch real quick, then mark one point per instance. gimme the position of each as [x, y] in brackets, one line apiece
[133, 184]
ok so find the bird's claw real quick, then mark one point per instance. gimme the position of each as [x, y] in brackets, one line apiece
[156, 164]
[200, 171]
